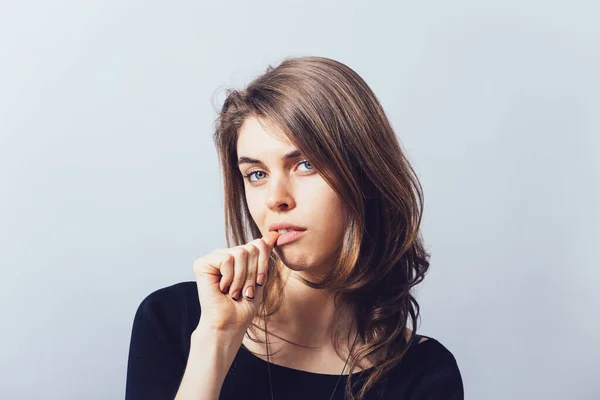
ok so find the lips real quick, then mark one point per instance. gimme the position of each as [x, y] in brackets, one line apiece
[288, 237]
[285, 225]
[294, 232]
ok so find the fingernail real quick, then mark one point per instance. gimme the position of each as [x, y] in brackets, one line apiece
[260, 279]
[236, 295]
[249, 292]
[226, 290]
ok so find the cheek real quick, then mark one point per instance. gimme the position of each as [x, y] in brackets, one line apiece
[329, 212]
[336, 217]
[257, 212]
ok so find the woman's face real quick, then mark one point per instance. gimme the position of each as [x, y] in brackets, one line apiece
[289, 190]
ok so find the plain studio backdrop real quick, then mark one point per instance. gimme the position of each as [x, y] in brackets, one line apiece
[110, 186]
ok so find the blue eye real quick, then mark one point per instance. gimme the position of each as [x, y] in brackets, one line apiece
[249, 175]
[252, 173]
[305, 162]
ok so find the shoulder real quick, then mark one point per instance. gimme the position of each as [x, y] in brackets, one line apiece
[160, 341]
[171, 308]
[172, 295]
[428, 351]
[429, 370]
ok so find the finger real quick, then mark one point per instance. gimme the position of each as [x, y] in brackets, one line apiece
[252, 262]
[227, 268]
[240, 255]
[207, 266]
[227, 271]
[262, 265]
[215, 269]
[270, 238]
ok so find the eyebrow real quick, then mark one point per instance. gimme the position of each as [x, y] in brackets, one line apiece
[291, 155]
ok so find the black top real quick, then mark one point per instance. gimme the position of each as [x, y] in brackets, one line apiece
[160, 344]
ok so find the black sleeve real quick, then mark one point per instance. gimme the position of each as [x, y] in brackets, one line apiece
[444, 384]
[157, 357]
[442, 381]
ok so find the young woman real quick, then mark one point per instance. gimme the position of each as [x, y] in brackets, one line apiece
[314, 300]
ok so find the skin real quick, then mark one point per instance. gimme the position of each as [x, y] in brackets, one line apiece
[294, 192]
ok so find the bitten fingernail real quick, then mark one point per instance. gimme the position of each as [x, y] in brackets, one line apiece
[236, 295]
[249, 292]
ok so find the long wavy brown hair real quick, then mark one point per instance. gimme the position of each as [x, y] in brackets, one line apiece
[328, 111]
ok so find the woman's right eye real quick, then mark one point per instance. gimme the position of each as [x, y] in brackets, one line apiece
[247, 176]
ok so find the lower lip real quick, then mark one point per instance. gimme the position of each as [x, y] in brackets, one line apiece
[288, 237]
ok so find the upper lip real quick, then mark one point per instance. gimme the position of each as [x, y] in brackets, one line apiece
[285, 225]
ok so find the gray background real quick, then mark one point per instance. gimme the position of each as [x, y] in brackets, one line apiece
[110, 186]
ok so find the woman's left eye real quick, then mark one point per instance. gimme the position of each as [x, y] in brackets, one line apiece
[305, 162]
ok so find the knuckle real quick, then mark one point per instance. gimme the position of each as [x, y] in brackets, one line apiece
[252, 249]
[240, 251]
[260, 244]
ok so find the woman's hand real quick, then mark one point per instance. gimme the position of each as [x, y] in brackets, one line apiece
[230, 285]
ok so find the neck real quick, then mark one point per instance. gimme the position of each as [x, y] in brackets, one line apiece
[307, 316]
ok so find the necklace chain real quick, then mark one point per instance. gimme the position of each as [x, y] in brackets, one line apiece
[269, 368]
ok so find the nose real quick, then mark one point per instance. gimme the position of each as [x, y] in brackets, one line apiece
[279, 196]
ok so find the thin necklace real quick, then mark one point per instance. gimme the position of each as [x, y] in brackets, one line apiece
[269, 368]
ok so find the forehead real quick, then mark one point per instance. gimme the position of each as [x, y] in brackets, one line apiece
[258, 137]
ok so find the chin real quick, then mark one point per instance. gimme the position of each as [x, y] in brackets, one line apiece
[293, 259]
[299, 264]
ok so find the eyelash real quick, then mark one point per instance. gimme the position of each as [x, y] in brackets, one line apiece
[248, 175]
